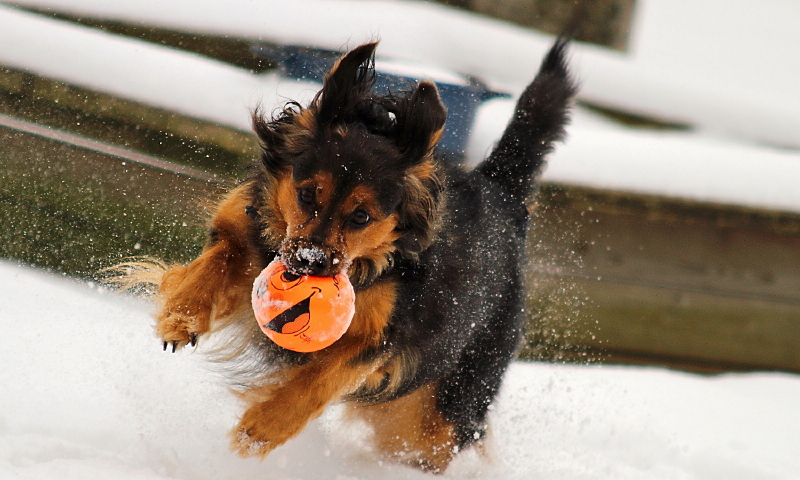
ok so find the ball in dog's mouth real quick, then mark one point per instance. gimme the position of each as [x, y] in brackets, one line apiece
[302, 313]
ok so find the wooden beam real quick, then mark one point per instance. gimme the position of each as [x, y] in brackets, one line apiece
[665, 280]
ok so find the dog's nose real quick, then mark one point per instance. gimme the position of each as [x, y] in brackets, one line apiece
[310, 261]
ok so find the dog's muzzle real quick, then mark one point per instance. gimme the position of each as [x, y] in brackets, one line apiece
[305, 258]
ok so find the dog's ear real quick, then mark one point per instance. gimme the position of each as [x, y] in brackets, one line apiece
[420, 122]
[282, 137]
[419, 212]
[350, 80]
[270, 141]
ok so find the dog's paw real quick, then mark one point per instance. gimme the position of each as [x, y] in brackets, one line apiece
[178, 330]
[246, 445]
[186, 314]
[257, 436]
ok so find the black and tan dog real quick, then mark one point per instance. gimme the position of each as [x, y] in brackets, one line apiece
[435, 254]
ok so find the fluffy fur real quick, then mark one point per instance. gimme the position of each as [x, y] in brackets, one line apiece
[435, 253]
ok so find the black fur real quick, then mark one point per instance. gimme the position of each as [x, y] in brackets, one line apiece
[350, 81]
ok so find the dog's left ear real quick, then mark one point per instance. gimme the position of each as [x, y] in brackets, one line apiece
[420, 122]
[419, 212]
[349, 81]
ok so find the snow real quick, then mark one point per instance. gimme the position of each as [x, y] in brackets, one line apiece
[156, 75]
[89, 393]
[650, 162]
[730, 73]
[730, 69]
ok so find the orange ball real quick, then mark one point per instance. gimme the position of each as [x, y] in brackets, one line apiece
[302, 313]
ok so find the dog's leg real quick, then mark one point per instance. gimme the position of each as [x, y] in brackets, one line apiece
[220, 279]
[280, 410]
[465, 393]
[412, 429]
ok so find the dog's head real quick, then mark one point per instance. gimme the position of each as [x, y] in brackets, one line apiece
[351, 178]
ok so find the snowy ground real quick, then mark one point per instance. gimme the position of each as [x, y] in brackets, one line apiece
[88, 393]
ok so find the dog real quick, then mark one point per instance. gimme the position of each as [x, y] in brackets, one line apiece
[436, 254]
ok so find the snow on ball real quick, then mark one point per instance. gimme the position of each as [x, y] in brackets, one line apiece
[302, 313]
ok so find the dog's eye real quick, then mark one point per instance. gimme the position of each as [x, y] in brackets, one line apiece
[360, 218]
[305, 196]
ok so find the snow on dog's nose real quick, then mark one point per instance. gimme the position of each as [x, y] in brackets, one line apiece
[308, 261]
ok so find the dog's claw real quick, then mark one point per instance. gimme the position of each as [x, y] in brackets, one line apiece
[181, 343]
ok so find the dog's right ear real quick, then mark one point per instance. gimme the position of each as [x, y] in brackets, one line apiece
[350, 80]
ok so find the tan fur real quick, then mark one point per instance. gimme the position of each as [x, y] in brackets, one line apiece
[411, 429]
[434, 140]
[425, 171]
[292, 214]
[142, 272]
[377, 238]
[279, 411]
[306, 119]
[398, 368]
[374, 306]
[276, 197]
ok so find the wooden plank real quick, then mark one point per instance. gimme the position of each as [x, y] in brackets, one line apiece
[663, 281]
[604, 22]
[75, 210]
[131, 125]
[694, 328]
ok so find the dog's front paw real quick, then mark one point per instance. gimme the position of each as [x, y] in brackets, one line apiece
[259, 433]
[186, 312]
[179, 329]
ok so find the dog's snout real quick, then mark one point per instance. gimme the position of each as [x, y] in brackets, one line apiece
[303, 256]
[310, 261]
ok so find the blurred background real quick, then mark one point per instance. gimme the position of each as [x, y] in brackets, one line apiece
[666, 231]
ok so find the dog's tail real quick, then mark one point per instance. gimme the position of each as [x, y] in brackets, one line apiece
[539, 120]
